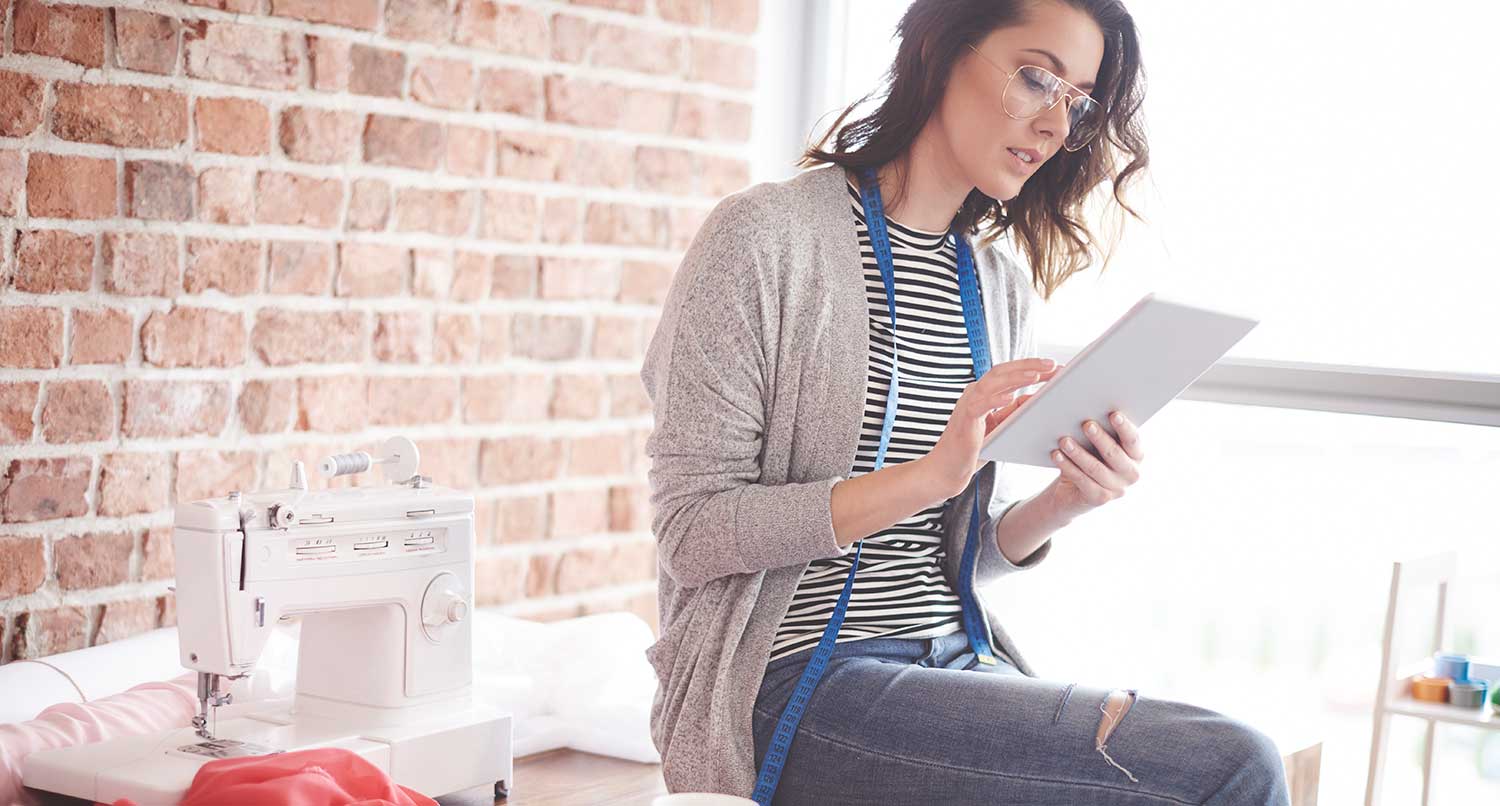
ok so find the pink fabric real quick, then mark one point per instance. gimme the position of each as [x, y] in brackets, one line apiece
[146, 708]
[326, 776]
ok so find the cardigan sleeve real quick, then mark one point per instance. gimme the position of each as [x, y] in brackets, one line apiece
[992, 563]
[705, 372]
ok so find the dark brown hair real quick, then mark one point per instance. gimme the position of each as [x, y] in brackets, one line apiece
[1045, 218]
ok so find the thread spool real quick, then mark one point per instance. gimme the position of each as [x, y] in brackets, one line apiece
[344, 464]
[1451, 666]
[1467, 693]
[1429, 689]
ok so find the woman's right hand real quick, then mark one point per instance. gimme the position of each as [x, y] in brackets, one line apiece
[984, 404]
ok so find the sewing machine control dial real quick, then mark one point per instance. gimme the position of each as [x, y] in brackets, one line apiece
[444, 606]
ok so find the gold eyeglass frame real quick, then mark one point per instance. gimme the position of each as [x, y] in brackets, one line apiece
[1067, 97]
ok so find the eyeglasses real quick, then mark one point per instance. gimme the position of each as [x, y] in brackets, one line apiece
[1039, 90]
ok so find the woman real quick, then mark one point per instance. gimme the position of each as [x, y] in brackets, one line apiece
[780, 461]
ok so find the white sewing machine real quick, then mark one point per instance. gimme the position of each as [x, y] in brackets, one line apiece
[382, 578]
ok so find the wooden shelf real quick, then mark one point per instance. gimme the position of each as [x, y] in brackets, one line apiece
[1443, 712]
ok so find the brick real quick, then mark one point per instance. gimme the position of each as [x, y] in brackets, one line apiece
[515, 276]
[452, 462]
[540, 575]
[362, 14]
[100, 336]
[236, 6]
[320, 135]
[571, 38]
[412, 400]
[577, 397]
[682, 225]
[158, 190]
[499, 580]
[331, 403]
[561, 220]
[304, 201]
[297, 337]
[166, 607]
[512, 398]
[627, 6]
[267, 406]
[586, 568]
[624, 225]
[494, 337]
[630, 508]
[246, 55]
[213, 474]
[95, 560]
[421, 20]
[575, 513]
[193, 337]
[623, 48]
[226, 195]
[471, 277]
[77, 411]
[455, 339]
[509, 216]
[22, 566]
[376, 71]
[59, 186]
[520, 519]
[616, 338]
[721, 176]
[685, 12]
[140, 264]
[444, 83]
[232, 267]
[432, 273]
[328, 63]
[521, 31]
[547, 337]
[578, 278]
[403, 142]
[739, 16]
[53, 261]
[175, 408]
[13, 178]
[627, 396]
[400, 337]
[74, 33]
[232, 126]
[466, 152]
[369, 205]
[17, 405]
[125, 619]
[371, 270]
[599, 164]
[132, 483]
[665, 170]
[39, 633]
[648, 111]
[519, 459]
[45, 489]
[722, 63]
[510, 92]
[583, 102]
[138, 117]
[21, 99]
[531, 156]
[157, 557]
[599, 455]
[300, 267]
[644, 283]
[30, 337]
[441, 212]
[146, 42]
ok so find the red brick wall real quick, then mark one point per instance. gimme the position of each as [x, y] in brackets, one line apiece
[234, 233]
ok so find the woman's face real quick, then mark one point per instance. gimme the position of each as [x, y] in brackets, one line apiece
[980, 133]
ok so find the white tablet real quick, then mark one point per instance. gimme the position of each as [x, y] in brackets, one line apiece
[1146, 358]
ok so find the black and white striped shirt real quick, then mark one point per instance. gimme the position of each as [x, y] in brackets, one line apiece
[899, 591]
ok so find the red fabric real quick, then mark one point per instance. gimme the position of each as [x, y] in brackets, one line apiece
[321, 777]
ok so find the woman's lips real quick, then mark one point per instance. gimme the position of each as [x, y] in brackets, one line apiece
[1026, 167]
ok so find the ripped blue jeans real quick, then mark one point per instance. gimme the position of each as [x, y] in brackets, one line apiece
[920, 721]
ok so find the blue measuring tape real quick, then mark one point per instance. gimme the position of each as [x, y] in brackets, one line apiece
[973, 617]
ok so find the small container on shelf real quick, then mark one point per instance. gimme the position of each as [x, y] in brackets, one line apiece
[1467, 693]
[1430, 689]
[1453, 666]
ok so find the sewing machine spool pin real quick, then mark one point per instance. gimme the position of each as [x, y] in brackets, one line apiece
[398, 455]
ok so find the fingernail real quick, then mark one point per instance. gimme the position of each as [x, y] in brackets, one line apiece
[1091, 428]
[1050, 364]
[1116, 418]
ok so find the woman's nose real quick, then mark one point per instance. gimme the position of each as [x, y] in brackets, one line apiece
[1054, 122]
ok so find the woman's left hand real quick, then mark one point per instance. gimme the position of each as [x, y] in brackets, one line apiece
[1087, 482]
